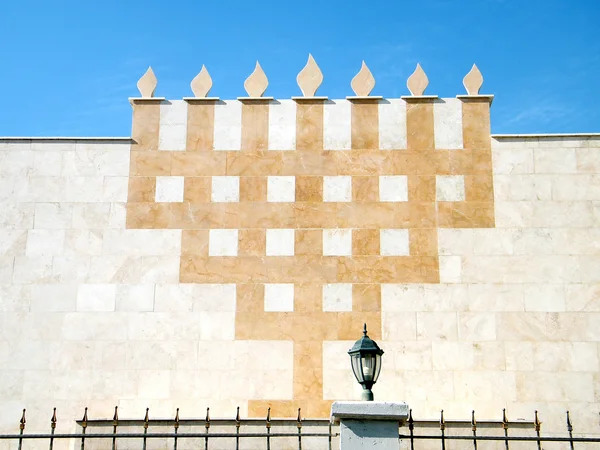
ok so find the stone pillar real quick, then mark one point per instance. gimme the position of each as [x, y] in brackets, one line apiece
[369, 424]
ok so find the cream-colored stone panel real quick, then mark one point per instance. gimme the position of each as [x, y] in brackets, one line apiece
[228, 125]
[16, 162]
[493, 241]
[565, 356]
[451, 269]
[134, 297]
[223, 242]
[17, 216]
[53, 297]
[521, 269]
[485, 385]
[6, 269]
[534, 241]
[337, 189]
[555, 160]
[476, 326]
[96, 297]
[114, 189]
[588, 160]
[450, 188]
[495, 297]
[45, 243]
[337, 125]
[582, 297]
[169, 189]
[544, 297]
[282, 125]
[195, 297]
[393, 188]
[225, 189]
[337, 242]
[96, 160]
[400, 298]
[394, 242]
[539, 326]
[392, 124]
[132, 270]
[337, 297]
[90, 216]
[455, 241]
[172, 133]
[575, 187]
[279, 297]
[27, 270]
[14, 189]
[447, 124]
[512, 161]
[437, 326]
[15, 298]
[280, 242]
[142, 242]
[281, 189]
[399, 326]
[522, 187]
[48, 163]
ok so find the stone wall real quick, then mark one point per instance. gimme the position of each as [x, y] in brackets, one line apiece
[229, 253]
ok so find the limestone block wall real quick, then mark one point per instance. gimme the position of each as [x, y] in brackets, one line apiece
[228, 254]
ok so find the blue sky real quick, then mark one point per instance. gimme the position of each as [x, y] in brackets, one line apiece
[68, 66]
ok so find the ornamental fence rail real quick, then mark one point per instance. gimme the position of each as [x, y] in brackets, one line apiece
[301, 433]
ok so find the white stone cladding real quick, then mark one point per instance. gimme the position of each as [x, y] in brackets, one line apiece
[92, 313]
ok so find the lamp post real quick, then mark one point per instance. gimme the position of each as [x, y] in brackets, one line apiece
[365, 356]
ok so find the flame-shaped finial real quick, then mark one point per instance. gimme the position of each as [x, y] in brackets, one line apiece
[363, 82]
[147, 84]
[310, 78]
[201, 83]
[256, 84]
[417, 82]
[473, 81]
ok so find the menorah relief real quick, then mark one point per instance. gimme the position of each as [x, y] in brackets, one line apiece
[308, 206]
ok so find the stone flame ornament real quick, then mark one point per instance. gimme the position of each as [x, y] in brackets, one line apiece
[363, 82]
[201, 83]
[473, 81]
[417, 82]
[256, 84]
[310, 78]
[147, 84]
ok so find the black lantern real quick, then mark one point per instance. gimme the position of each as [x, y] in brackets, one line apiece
[365, 356]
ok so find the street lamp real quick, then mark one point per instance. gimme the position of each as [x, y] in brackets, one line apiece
[365, 356]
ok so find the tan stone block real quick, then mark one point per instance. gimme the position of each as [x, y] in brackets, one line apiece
[309, 242]
[141, 189]
[366, 297]
[197, 189]
[252, 242]
[476, 125]
[365, 189]
[197, 164]
[308, 297]
[255, 163]
[466, 214]
[365, 125]
[145, 125]
[309, 189]
[423, 241]
[419, 125]
[479, 188]
[253, 189]
[194, 242]
[255, 126]
[309, 126]
[365, 242]
[200, 126]
[143, 163]
[421, 188]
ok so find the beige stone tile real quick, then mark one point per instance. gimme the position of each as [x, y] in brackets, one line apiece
[546, 297]
[485, 385]
[495, 297]
[476, 326]
[399, 326]
[519, 355]
[582, 297]
[513, 160]
[424, 297]
[555, 160]
[437, 326]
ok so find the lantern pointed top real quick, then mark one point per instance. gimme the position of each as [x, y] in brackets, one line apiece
[365, 329]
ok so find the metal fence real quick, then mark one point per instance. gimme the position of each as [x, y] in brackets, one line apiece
[300, 433]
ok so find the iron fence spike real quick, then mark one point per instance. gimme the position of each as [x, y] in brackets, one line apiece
[116, 416]
[53, 419]
[23, 421]
[473, 422]
[85, 415]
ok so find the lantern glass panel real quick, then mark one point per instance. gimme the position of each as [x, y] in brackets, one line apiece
[377, 367]
[356, 367]
[369, 366]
